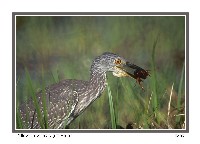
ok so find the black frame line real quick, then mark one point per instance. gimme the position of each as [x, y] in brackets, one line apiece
[186, 14]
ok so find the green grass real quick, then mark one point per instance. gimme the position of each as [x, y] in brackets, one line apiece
[112, 110]
[42, 118]
[44, 104]
[59, 48]
[154, 80]
[179, 103]
[35, 100]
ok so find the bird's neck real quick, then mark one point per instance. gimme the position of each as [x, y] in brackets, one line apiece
[97, 83]
[95, 88]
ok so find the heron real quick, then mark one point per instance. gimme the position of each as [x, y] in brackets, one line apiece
[67, 99]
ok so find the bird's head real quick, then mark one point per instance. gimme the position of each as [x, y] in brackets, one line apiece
[119, 66]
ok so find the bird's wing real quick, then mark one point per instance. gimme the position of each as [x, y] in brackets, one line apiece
[61, 100]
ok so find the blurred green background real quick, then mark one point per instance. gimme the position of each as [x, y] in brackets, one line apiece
[66, 45]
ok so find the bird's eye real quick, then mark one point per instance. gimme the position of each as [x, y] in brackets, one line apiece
[118, 61]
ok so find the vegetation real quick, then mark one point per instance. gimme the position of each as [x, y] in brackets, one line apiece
[56, 48]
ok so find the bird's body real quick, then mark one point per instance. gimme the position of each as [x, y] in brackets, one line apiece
[69, 98]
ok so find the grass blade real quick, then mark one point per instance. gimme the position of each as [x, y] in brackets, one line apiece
[169, 106]
[55, 78]
[112, 112]
[44, 101]
[154, 79]
[35, 101]
[179, 93]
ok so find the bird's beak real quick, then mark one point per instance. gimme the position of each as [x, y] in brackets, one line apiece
[131, 70]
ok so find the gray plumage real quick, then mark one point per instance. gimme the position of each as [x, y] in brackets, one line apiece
[69, 98]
